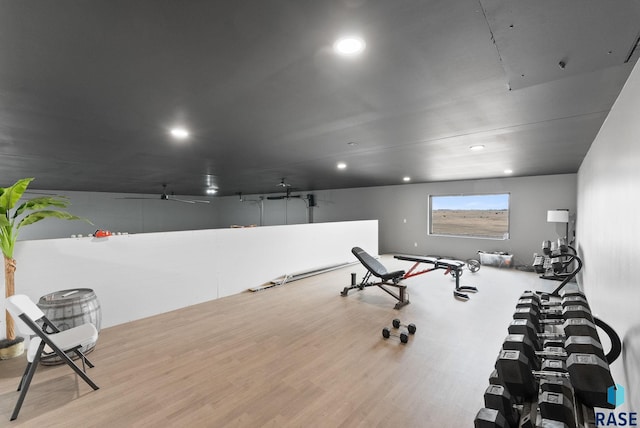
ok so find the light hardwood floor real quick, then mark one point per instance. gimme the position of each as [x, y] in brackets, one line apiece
[299, 355]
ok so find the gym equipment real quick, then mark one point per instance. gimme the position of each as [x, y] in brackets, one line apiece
[452, 267]
[574, 306]
[558, 407]
[404, 337]
[551, 370]
[616, 343]
[497, 259]
[498, 397]
[542, 319]
[375, 268]
[522, 343]
[473, 265]
[489, 418]
[540, 312]
[571, 327]
[557, 258]
[411, 327]
[590, 376]
[515, 372]
[584, 345]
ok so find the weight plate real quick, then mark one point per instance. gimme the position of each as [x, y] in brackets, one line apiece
[473, 265]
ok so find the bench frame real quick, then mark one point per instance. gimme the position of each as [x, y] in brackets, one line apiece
[375, 268]
[453, 267]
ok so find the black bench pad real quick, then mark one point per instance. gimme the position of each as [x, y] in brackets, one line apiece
[374, 266]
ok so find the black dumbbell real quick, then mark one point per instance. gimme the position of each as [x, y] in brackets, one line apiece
[540, 320]
[571, 327]
[490, 418]
[571, 297]
[411, 327]
[554, 310]
[404, 337]
[555, 406]
[516, 373]
[497, 397]
[584, 345]
[522, 343]
[588, 374]
[585, 374]
[572, 292]
[591, 379]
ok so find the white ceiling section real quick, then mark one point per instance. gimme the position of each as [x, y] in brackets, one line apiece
[89, 91]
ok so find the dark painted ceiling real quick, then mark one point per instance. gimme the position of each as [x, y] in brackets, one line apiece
[90, 88]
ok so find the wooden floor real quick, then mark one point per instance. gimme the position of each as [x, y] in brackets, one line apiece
[299, 355]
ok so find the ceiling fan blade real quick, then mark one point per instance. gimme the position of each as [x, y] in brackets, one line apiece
[187, 201]
[171, 198]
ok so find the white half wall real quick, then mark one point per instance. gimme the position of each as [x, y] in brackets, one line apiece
[139, 275]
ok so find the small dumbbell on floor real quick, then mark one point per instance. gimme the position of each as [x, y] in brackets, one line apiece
[411, 327]
[404, 336]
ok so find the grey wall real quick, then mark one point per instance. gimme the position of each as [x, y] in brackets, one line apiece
[402, 212]
[609, 230]
[531, 197]
[110, 211]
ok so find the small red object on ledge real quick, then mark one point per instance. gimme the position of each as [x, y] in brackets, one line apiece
[102, 233]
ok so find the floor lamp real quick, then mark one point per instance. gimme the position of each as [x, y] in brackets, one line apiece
[559, 216]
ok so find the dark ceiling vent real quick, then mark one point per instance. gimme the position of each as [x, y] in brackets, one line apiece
[635, 52]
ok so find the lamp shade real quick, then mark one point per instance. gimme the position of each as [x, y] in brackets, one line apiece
[558, 216]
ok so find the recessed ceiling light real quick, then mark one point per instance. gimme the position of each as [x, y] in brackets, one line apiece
[508, 171]
[478, 147]
[349, 46]
[341, 165]
[406, 178]
[179, 133]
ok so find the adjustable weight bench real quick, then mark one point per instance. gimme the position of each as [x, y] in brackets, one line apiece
[375, 268]
[453, 267]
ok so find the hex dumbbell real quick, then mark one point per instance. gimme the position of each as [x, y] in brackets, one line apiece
[387, 333]
[411, 327]
[588, 374]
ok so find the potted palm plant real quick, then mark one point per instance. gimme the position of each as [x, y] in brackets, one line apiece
[11, 220]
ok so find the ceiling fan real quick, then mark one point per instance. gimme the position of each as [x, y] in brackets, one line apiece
[166, 197]
[287, 195]
[283, 184]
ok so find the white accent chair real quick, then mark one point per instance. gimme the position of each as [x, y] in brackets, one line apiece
[47, 340]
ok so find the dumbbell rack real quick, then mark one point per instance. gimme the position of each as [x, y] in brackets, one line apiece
[556, 259]
[551, 371]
